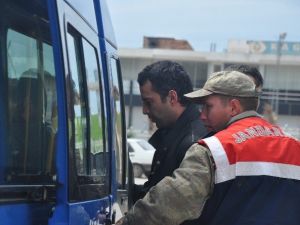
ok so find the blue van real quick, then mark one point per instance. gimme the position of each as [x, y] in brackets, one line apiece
[63, 156]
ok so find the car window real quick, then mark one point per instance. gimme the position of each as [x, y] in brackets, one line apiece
[145, 145]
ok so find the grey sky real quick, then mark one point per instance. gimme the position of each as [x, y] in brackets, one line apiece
[204, 21]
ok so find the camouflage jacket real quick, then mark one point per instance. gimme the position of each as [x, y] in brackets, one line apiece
[171, 202]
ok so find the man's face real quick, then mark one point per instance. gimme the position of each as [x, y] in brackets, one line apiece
[215, 113]
[158, 111]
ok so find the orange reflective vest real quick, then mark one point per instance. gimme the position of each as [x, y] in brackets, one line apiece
[252, 146]
[257, 176]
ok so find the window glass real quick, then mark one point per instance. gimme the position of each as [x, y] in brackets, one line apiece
[32, 109]
[48, 58]
[88, 168]
[22, 54]
[50, 87]
[120, 158]
[97, 154]
[78, 113]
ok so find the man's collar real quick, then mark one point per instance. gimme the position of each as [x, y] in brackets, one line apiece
[243, 115]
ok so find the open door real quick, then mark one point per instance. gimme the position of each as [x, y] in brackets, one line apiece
[124, 175]
[86, 196]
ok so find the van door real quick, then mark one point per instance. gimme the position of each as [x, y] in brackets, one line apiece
[124, 175]
[87, 185]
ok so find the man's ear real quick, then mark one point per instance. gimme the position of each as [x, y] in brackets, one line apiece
[235, 106]
[173, 96]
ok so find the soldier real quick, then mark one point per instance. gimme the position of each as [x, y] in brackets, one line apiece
[247, 173]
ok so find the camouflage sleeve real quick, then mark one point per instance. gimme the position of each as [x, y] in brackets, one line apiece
[177, 198]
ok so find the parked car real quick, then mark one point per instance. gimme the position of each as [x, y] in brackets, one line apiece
[141, 154]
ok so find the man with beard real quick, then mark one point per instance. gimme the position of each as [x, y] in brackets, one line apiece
[162, 86]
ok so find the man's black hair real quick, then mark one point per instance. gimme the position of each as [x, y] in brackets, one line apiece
[165, 76]
[248, 70]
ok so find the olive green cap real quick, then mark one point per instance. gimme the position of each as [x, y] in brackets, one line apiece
[229, 83]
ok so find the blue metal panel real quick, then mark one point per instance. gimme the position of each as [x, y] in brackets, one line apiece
[107, 86]
[25, 214]
[84, 212]
[3, 120]
[61, 214]
[105, 27]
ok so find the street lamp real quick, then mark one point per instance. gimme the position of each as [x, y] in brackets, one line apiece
[281, 39]
[280, 42]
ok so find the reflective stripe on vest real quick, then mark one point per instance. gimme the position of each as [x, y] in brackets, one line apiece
[253, 147]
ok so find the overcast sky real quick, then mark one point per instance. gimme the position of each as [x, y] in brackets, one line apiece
[202, 22]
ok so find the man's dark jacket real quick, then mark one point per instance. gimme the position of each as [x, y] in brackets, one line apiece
[171, 145]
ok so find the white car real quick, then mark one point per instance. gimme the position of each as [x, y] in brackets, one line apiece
[141, 154]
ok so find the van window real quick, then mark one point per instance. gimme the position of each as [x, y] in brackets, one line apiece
[32, 107]
[89, 174]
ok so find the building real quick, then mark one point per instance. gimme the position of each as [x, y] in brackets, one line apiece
[278, 62]
[166, 43]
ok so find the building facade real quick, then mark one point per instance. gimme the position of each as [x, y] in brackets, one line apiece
[280, 69]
